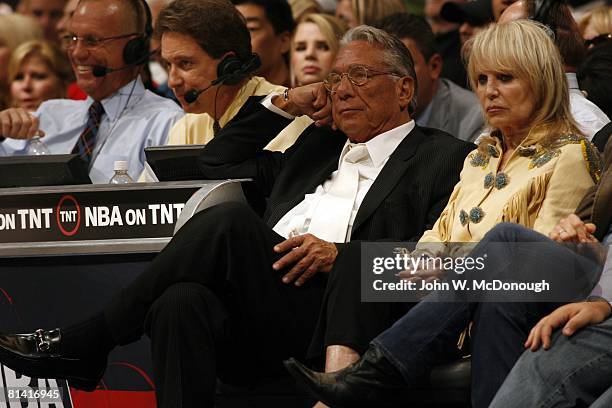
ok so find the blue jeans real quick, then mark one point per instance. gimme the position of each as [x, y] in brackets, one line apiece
[427, 335]
[575, 371]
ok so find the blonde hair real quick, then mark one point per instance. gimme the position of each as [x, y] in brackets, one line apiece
[601, 19]
[16, 29]
[303, 8]
[523, 49]
[49, 53]
[369, 11]
[332, 29]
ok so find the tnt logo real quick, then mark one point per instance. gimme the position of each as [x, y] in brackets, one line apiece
[19, 391]
[68, 215]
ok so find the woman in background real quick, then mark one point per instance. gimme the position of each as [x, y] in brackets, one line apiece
[15, 29]
[37, 71]
[314, 47]
[596, 26]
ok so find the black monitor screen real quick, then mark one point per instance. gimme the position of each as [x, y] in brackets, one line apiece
[173, 163]
[44, 170]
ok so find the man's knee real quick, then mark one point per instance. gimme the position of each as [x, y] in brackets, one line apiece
[183, 302]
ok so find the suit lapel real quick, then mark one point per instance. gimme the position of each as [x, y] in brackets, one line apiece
[389, 176]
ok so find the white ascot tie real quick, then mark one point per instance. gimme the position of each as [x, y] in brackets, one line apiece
[332, 215]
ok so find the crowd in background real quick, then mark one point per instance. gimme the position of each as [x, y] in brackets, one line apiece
[296, 48]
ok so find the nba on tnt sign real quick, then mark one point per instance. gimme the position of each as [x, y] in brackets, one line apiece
[68, 215]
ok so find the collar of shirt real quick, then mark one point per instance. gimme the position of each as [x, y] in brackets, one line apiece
[115, 104]
[382, 146]
[572, 80]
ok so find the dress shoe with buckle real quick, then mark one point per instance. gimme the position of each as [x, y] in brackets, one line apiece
[37, 355]
[370, 382]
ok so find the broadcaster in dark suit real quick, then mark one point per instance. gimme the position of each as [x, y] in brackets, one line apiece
[233, 294]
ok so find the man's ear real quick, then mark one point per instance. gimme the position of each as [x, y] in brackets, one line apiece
[285, 39]
[435, 64]
[405, 89]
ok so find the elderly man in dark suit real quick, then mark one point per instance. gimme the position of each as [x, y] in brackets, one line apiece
[233, 293]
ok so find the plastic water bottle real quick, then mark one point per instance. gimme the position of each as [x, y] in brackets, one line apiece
[121, 175]
[36, 147]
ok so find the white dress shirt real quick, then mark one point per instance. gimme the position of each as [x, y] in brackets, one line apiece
[589, 117]
[297, 220]
[134, 118]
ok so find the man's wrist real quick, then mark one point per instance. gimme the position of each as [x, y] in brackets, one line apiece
[284, 103]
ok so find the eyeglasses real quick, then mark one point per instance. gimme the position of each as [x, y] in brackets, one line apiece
[70, 41]
[598, 40]
[357, 74]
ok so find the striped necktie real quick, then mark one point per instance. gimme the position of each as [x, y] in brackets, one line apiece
[85, 145]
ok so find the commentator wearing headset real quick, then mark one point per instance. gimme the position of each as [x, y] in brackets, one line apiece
[107, 42]
[207, 48]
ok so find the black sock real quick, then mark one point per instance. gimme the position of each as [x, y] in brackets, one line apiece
[90, 338]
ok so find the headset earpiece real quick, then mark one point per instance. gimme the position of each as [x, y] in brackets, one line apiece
[137, 49]
[231, 70]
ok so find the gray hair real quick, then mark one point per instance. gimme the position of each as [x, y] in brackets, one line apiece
[396, 55]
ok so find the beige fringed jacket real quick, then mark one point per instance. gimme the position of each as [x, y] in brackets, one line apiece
[538, 186]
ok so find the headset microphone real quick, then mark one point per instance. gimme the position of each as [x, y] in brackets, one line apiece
[193, 95]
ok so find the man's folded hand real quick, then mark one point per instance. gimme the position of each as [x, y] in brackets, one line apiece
[305, 255]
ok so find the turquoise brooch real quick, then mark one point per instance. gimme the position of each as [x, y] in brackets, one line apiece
[500, 180]
[476, 215]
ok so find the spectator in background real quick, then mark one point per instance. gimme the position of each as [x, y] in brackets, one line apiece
[448, 42]
[314, 47]
[357, 12]
[441, 104]
[74, 92]
[472, 17]
[38, 71]
[596, 25]
[48, 13]
[595, 76]
[15, 29]
[119, 118]
[558, 18]
[271, 24]
[302, 8]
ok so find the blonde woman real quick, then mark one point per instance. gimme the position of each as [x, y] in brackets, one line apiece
[38, 71]
[15, 29]
[314, 47]
[596, 26]
[531, 171]
[357, 12]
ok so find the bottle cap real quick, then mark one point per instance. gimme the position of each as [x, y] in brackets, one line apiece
[121, 165]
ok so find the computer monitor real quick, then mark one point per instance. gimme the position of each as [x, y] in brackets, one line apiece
[173, 163]
[44, 170]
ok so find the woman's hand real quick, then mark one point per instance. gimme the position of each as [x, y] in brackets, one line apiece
[573, 229]
[573, 317]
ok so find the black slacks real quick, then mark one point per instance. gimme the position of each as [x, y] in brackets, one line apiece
[213, 305]
[344, 318]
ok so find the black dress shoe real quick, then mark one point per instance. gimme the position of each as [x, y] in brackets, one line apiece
[37, 355]
[371, 382]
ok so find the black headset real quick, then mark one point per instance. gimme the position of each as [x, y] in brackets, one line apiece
[136, 51]
[231, 70]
